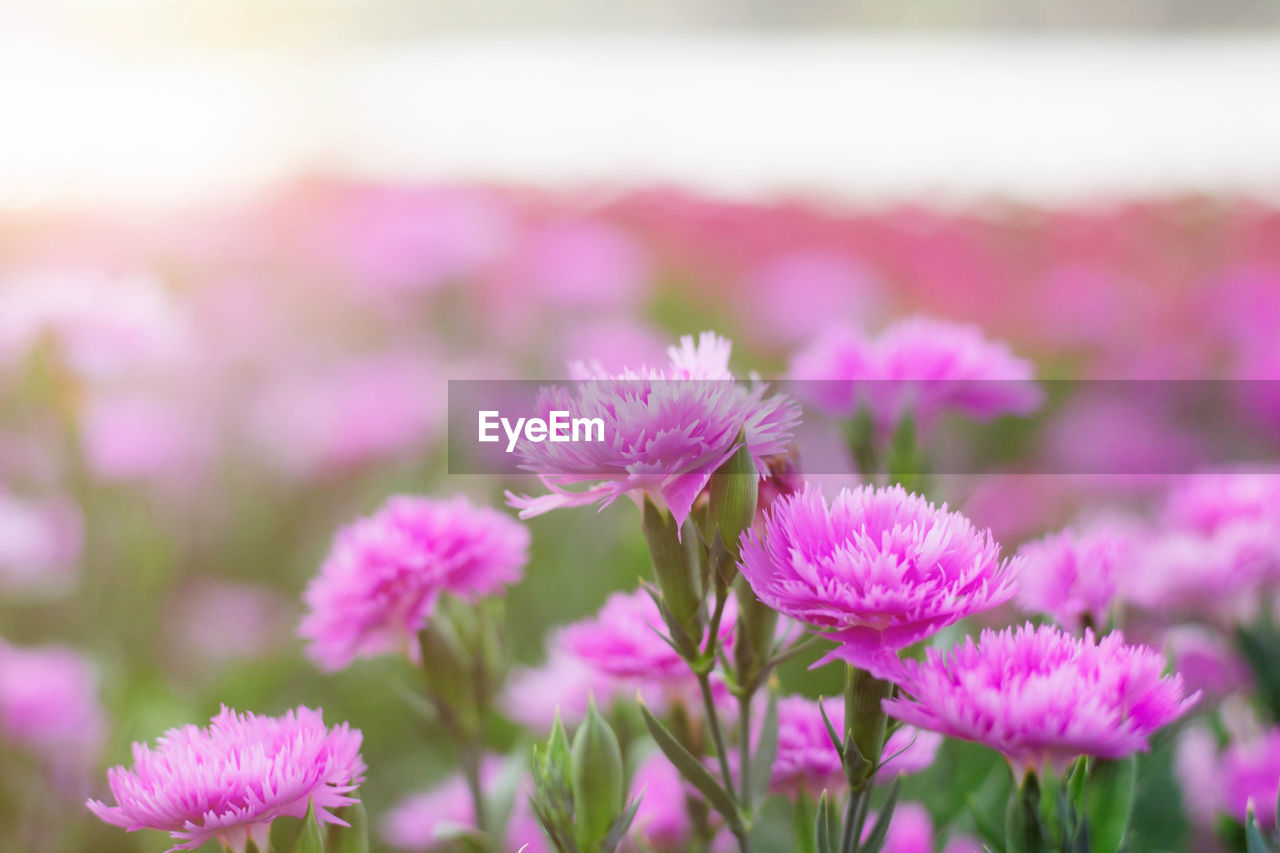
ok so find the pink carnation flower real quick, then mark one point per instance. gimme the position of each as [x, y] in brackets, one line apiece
[666, 431]
[40, 543]
[808, 761]
[1226, 781]
[562, 685]
[918, 366]
[1073, 575]
[1208, 502]
[880, 568]
[49, 707]
[622, 643]
[380, 582]
[911, 831]
[1040, 696]
[662, 819]
[228, 782]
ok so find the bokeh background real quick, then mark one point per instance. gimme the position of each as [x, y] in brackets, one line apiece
[243, 247]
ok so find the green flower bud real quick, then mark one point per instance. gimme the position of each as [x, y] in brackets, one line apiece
[1023, 830]
[598, 784]
[677, 568]
[734, 490]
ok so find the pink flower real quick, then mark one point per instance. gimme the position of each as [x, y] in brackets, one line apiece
[1040, 696]
[563, 684]
[217, 621]
[49, 706]
[622, 643]
[1074, 576]
[426, 820]
[1206, 661]
[380, 582]
[919, 366]
[662, 819]
[806, 759]
[40, 543]
[879, 568]
[911, 831]
[229, 781]
[666, 431]
[1208, 502]
[1228, 781]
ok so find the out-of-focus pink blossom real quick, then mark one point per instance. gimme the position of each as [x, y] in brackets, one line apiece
[623, 643]
[807, 761]
[908, 750]
[366, 410]
[911, 831]
[40, 543]
[879, 569]
[49, 706]
[919, 366]
[583, 263]
[665, 431]
[380, 582]
[662, 819]
[1207, 663]
[1074, 575]
[792, 296]
[563, 684]
[1228, 780]
[219, 621]
[102, 325]
[152, 438]
[1041, 697]
[1208, 502]
[229, 781]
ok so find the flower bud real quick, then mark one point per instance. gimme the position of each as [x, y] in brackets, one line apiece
[1023, 830]
[597, 779]
[677, 568]
[734, 489]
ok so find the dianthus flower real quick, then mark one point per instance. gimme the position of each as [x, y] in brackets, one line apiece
[662, 818]
[1227, 781]
[1039, 696]
[666, 431]
[808, 761]
[622, 643]
[1207, 502]
[918, 366]
[880, 568]
[380, 582]
[1073, 575]
[228, 782]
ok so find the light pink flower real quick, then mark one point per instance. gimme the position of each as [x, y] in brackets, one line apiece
[1207, 662]
[662, 819]
[1226, 781]
[918, 366]
[622, 643]
[563, 684]
[380, 582]
[1039, 696]
[880, 569]
[151, 437]
[217, 621]
[911, 831]
[49, 706]
[1208, 502]
[40, 543]
[908, 750]
[228, 782]
[1074, 575]
[806, 758]
[666, 431]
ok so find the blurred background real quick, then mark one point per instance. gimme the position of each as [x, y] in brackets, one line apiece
[243, 247]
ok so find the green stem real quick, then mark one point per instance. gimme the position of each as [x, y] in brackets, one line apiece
[744, 752]
[722, 755]
[471, 769]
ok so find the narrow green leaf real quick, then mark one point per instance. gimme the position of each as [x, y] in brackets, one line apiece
[880, 829]
[825, 828]
[311, 835]
[837, 739]
[802, 824]
[766, 752]
[1108, 802]
[620, 826]
[353, 838]
[693, 770]
[1254, 842]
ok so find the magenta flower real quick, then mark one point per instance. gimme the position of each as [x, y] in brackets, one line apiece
[662, 819]
[808, 761]
[1227, 781]
[380, 582]
[1074, 575]
[622, 643]
[562, 685]
[40, 543]
[228, 782]
[911, 831]
[880, 569]
[1039, 696]
[665, 431]
[918, 366]
[1206, 503]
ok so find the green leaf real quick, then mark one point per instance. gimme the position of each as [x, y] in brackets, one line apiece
[1108, 803]
[353, 838]
[311, 835]
[766, 751]
[1023, 829]
[1254, 842]
[837, 739]
[693, 770]
[825, 829]
[802, 824]
[880, 829]
[620, 826]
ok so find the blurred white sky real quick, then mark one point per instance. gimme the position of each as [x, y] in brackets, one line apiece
[862, 118]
